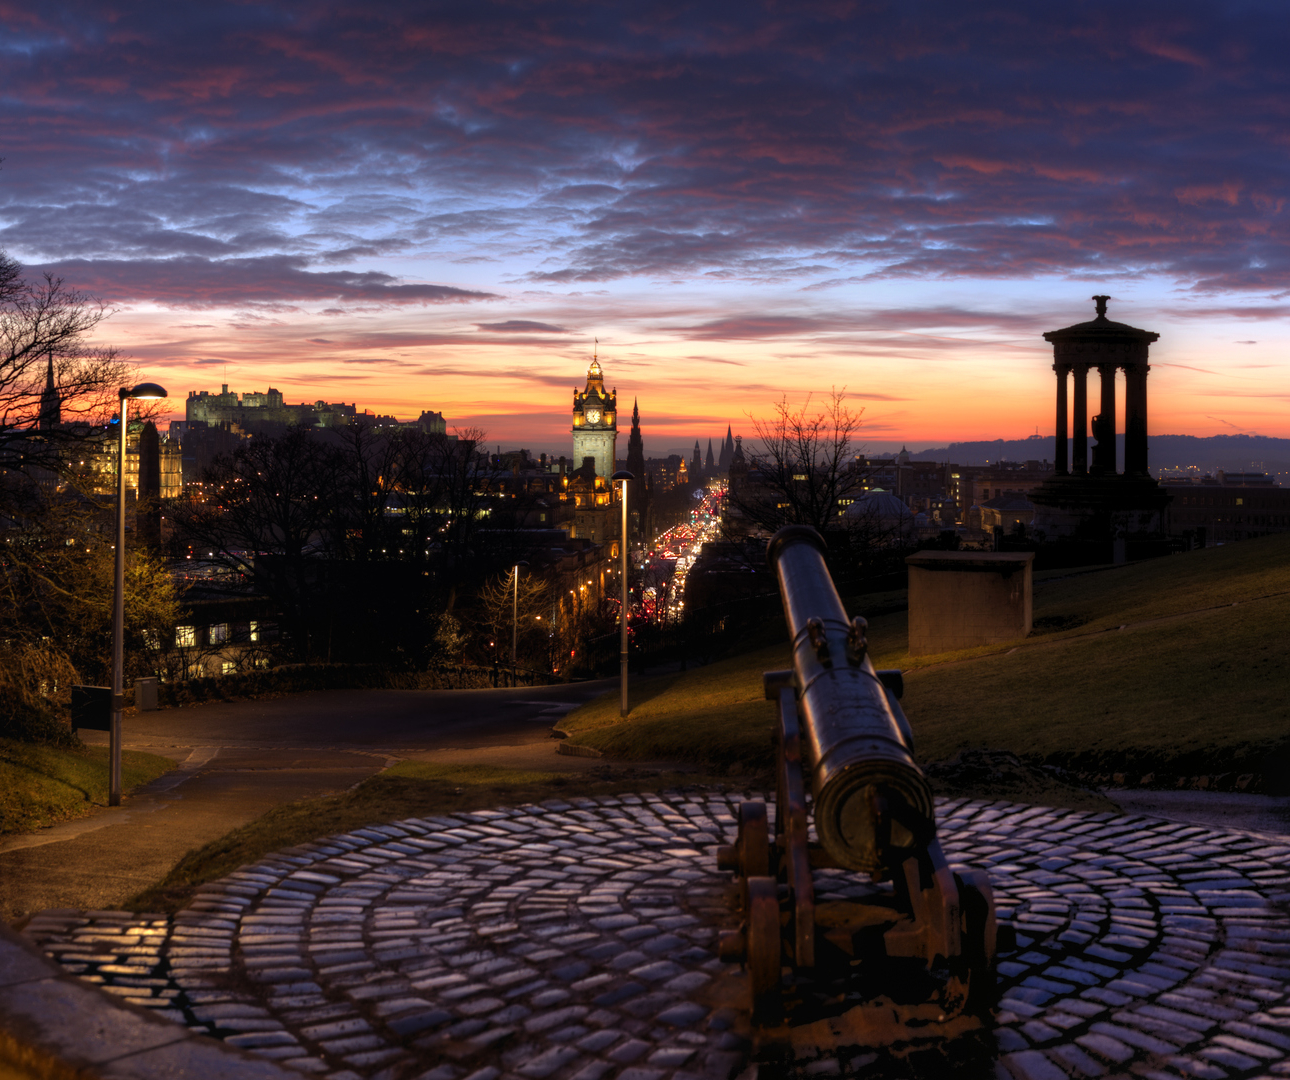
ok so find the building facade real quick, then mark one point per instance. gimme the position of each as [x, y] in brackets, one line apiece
[1228, 507]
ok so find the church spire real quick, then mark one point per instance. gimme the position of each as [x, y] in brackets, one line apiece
[635, 445]
[51, 404]
[727, 451]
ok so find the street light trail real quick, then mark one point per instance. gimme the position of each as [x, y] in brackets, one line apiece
[681, 544]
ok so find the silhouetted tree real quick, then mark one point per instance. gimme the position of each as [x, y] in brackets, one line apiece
[267, 513]
[56, 586]
[804, 466]
[46, 325]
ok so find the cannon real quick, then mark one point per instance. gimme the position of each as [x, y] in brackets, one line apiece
[918, 942]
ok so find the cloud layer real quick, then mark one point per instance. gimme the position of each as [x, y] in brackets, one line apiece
[806, 143]
[771, 197]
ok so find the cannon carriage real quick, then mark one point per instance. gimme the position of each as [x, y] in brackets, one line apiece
[922, 950]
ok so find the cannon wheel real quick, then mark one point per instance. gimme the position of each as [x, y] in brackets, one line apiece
[754, 840]
[764, 947]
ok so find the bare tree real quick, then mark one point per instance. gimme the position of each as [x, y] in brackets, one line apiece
[266, 513]
[46, 326]
[370, 465]
[443, 487]
[803, 470]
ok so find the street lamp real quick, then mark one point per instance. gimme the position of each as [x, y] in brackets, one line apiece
[143, 392]
[515, 619]
[624, 476]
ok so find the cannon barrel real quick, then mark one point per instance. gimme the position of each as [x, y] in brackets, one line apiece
[872, 803]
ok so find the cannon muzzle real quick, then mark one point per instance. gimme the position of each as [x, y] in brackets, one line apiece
[872, 803]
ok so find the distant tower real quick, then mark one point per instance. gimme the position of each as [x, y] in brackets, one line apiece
[635, 446]
[51, 404]
[727, 451]
[595, 421]
[638, 496]
[709, 463]
[696, 466]
[738, 466]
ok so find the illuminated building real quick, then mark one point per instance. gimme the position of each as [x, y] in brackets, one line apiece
[595, 423]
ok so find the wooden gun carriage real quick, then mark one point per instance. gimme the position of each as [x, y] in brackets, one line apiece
[925, 948]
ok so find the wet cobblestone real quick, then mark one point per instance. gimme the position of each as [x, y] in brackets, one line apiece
[576, 939]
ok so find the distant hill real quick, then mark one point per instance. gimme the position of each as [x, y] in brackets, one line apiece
[1234, 453]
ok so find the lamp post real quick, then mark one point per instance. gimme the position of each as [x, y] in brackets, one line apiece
[143, 392]
[515, 620]
[624, 476]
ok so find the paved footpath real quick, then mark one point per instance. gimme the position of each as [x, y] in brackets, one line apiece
[576, 940]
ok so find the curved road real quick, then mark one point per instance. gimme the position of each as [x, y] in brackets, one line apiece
[399, 721]
[239, 759]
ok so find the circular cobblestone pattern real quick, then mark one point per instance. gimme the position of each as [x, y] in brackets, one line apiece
[576, 940]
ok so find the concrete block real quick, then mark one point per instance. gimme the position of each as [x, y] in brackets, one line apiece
[962, 599]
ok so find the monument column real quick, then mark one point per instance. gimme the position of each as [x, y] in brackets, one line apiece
[1135, 419]
[1061, 456]
[1080, 464]
[1104, 451]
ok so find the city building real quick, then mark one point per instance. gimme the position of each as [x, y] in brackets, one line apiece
[253, 409]
[97, 461]
[1226, 507]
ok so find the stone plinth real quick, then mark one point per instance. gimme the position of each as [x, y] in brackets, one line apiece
[962, 599]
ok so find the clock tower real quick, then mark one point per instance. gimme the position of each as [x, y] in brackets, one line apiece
[595, 422]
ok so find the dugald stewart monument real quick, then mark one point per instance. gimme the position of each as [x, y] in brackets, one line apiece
[1088, 498]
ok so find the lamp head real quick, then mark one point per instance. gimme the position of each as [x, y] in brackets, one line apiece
[145, 391]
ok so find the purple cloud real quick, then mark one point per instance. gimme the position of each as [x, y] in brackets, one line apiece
[221, 155]
[193, 282]
[522, 326]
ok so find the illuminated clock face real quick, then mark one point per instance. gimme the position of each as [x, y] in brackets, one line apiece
[593, 416]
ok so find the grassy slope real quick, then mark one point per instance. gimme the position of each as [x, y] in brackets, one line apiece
[409, 789]
[1215, 681]
[1079, 690]
[42, 785]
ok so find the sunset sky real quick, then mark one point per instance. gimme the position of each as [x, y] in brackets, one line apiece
[439, 206]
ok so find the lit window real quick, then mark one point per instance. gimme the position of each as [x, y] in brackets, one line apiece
[185, 637]
[255, 630]
[229, 667]
[219, 633]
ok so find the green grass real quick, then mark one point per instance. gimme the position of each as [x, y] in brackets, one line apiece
[41, 785]
[1193, 684]
[408, 789]
[1192, 681]
[1171, 693]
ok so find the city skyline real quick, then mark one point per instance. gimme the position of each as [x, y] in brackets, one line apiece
[443, 211]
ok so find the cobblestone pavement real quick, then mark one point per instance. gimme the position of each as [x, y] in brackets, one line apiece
[575, 940]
